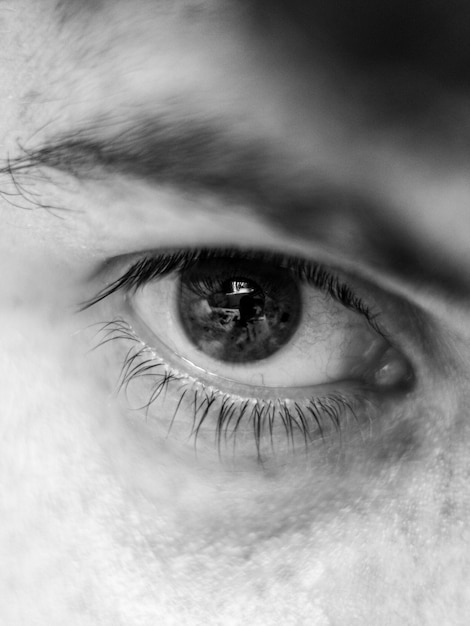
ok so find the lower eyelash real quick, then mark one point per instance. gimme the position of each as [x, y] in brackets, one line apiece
[310, 419]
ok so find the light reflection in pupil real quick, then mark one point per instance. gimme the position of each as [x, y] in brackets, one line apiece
[235, 317]
[239, 302]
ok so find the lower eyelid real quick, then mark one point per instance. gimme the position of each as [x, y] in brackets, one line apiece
[188, 411]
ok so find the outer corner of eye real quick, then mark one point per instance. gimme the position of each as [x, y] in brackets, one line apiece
[392, 371]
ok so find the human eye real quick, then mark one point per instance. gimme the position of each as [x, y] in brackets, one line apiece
[252, 354]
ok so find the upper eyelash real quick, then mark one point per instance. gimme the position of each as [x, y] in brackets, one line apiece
[164, 263]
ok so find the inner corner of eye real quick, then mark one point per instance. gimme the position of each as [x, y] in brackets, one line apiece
[258, 323]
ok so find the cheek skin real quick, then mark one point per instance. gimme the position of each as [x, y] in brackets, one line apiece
[77, 547]
[81, 545]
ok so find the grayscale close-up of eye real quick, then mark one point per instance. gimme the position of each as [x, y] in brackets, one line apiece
[235, 306]
[272, 351]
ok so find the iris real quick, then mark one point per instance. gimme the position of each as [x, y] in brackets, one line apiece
[239, 312]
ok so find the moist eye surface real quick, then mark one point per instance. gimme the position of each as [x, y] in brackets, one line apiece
[237, 311]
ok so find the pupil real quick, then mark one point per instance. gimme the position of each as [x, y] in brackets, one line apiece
[238, 317]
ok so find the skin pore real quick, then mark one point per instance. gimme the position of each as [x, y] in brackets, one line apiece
[136, 127]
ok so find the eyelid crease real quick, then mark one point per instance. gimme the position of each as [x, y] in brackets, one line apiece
[158, 266]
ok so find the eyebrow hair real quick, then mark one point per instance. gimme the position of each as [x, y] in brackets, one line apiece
[190, 153]
[200, 156]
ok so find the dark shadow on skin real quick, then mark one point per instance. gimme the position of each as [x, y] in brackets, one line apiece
[423, 36]
[401, 63]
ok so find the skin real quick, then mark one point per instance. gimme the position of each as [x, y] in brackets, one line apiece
[103, 521]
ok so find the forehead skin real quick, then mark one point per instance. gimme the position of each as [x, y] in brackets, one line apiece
[96, 531]
[395, 129]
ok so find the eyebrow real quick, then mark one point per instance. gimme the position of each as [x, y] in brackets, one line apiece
[188, 154]
[201, 156]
